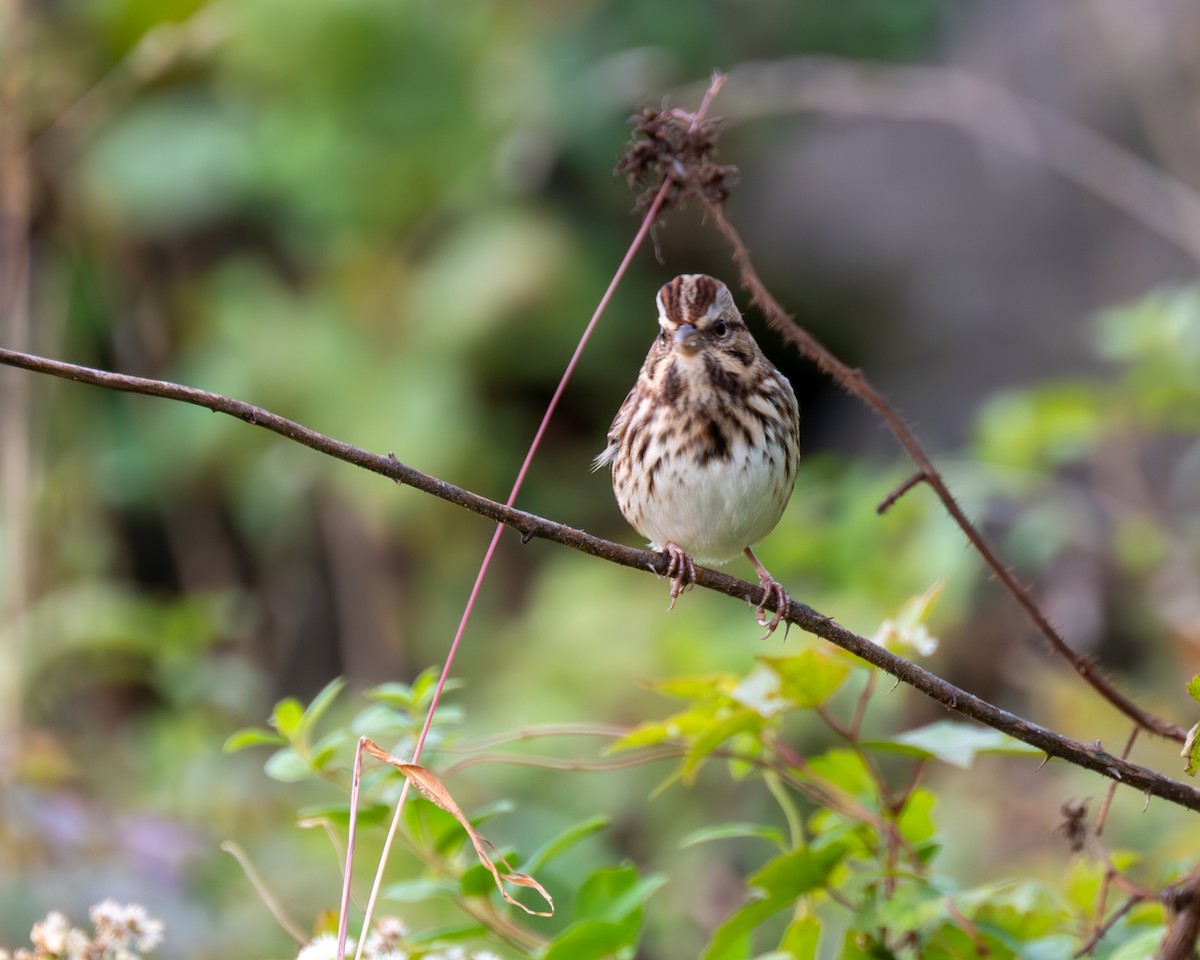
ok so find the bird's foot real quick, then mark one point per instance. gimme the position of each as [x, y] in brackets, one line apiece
[681, 569]
[774, 596]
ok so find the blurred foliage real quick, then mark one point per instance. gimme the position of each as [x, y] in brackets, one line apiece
[853, 865]
[389, 221]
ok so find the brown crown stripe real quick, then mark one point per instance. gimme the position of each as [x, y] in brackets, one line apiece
[701, 292]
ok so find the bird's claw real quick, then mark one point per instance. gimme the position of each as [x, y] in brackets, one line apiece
[682, 571]
[776, 597]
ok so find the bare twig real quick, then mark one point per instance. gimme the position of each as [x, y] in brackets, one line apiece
[889, 501]
[1102, 816]
[860, 708]
[270, 901]
[1088, 756]
[1100, 931]
[968, 927]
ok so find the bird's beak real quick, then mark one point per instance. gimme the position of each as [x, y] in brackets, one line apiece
[687, 336]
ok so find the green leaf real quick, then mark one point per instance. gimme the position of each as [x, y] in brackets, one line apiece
[380, 721]
[778, 683]
[912, 905]
[288, 766]
[494, 809]
[731, 944]
[322, 756]
[779, 883]
[728, 831]
[434, 938]
[684, 725]
[694, 688]
[801, 938]
[590, 940]
[415, 891]
[1140, 947]
[564, 841]
[1193, 688]
[1024, 910]
[798, 871]
[286, 717]
[808, 678]
[844, 769]
[613, 893]
[319, 706]
[393, 694]
[644, 735]
[252, 737]
[953, 742]
[1082, 886]
[476, 881]
[738, 722]
[916, 819]
[859, 946]
[424, 686]
[369, 814]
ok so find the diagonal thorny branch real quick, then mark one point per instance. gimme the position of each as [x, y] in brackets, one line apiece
[663, 146]
[1089, 756]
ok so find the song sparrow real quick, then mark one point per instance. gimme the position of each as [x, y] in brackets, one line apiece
[705, 447]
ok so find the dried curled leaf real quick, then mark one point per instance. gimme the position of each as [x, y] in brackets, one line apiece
[1191, 751]
[433, 790]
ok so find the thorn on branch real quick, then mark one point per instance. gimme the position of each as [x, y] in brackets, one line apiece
[392, 458]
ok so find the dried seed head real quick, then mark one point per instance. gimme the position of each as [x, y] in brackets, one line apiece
[666, 146]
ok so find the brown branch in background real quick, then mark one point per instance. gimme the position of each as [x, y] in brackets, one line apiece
[660, 147]
[1088, 756]
[1100, 931]
[855, 383]
[1102, 816]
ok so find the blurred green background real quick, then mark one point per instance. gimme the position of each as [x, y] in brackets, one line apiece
[390, 220]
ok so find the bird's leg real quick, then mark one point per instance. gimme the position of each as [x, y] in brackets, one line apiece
[773, 594]
[681, 570]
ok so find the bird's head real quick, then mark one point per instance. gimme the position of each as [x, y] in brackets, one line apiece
[696, 313]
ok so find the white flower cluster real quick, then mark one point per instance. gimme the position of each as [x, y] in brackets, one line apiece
[121, 932]
[384, 943]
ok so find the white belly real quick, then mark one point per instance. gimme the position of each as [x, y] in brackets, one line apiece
[714, 511]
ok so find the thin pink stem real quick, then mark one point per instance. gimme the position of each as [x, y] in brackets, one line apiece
[355, 781]
[647, 222]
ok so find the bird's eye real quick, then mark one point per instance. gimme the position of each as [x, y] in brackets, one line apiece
[720, 329]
